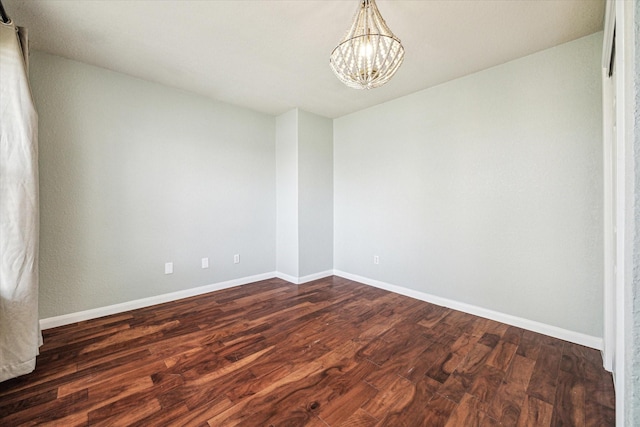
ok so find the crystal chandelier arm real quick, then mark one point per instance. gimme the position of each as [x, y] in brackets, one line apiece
[397, 52]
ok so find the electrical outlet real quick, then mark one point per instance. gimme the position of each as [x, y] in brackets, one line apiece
[205, 262]
[168, 268]
[376, 259]
[236, 259]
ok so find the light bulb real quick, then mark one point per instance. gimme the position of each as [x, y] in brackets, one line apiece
[366, 50]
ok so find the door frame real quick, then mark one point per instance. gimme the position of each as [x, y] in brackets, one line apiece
[610, 182]
[619, 197]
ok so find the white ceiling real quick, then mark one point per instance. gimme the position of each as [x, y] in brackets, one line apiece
[273, 55]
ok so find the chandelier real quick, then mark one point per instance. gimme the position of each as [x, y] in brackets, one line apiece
[369, 55]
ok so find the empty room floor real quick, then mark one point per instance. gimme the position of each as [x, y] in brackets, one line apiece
[332, 352]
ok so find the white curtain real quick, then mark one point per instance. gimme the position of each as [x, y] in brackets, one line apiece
[20, 335]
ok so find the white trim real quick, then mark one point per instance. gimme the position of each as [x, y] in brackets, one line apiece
[288, 278]
[315, 276]
[609, 193]
[542, 328]
[625, 63]
[66, 319]
[304, 279]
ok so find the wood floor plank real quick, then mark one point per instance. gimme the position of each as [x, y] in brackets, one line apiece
[430, 356]
[106, 394]
[437, 412]
[20, 402]
[200, 416]
[134, 370]
[535, 413]
[395, 397]
[76, 419]
[359, 418]
[489, 339]
[529, 345]
[411, 412]
[174, 415]
[513, 335]
[501, 355]
[545, 374]
[339, 409]
[599, 390]
[51, 336]
[508, 402]
[460, 322]
[598, 415]
[464, 376]
[447, 363]
[568, 408]
[467, 413]
[486, 384]
[311, 378]
[402, 361]
[38, 380]
[124, 412]
[329, 353]
[45, 412]
[256, 383]
[433, 315]
[95, 333]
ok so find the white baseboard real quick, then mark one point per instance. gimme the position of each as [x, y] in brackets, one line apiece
[315, 276]
[304, 279]
[287, 277]
[66, 319]
[532, 325]
[554, 331]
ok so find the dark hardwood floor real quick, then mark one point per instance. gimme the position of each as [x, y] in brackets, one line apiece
[329, 353]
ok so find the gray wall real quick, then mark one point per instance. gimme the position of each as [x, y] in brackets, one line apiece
[486, 190]
[304, 153]
[135, 174]
[287, 193]
[315, 198]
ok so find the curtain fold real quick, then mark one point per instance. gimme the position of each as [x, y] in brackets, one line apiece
[20, 336]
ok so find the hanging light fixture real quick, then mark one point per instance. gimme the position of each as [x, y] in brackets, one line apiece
[369, 55]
